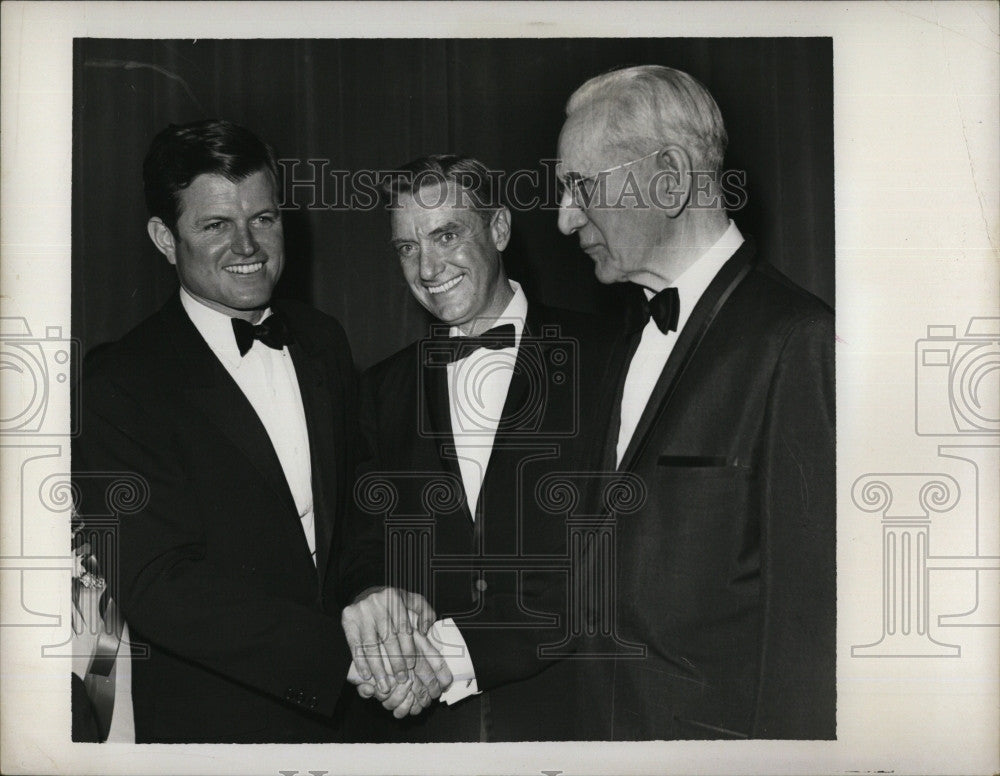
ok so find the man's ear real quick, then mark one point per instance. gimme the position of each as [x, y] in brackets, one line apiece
[672, 184]
[500, 228]
[162, 238]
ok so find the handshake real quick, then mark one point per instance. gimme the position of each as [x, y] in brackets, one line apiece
[389, 632]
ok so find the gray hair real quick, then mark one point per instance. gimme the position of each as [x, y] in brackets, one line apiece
[648, 106]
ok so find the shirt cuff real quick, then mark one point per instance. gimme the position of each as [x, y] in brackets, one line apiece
[448, 640]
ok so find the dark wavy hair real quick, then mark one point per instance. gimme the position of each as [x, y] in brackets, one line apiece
[182, 152]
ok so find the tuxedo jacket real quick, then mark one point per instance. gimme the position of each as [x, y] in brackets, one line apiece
[726, 573]
[502, 576]
[208, 560]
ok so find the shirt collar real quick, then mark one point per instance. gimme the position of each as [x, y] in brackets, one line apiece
[215, 328]
[515, 312]
[693, 282]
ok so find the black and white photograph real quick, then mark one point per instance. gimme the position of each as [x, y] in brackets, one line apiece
[705, 629]
[422, 375]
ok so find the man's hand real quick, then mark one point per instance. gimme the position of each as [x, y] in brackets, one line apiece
[424, 684]
[431, 669]
[407, 697]
[386, 616]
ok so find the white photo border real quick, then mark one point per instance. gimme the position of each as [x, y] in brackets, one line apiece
[917, 184]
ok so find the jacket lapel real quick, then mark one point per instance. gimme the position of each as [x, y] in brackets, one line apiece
[325, 440]
[521, 410]
[514, 416]
[715, 296]
[611, 396]
[434, 381]
[209, 387]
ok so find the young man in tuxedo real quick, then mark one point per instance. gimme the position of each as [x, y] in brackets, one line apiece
[461, 431]
[235, 414]
[724, 406]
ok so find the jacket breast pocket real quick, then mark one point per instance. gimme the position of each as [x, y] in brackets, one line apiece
[694, 461]
[700, 492]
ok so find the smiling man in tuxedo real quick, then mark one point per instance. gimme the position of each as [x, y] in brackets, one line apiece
[476, 416]
[723, 403]
[237, 412]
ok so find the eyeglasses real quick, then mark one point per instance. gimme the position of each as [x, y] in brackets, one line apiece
[580, 188]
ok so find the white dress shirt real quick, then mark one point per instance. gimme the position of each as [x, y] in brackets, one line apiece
[477, 391]
[267, 378]
[655, 346]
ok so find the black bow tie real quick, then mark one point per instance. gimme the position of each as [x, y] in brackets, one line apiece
[272, 331]
[664, 308]
[497, 338]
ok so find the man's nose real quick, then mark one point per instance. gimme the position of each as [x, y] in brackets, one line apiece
[571, 216]
[430, 262]
[244, 243]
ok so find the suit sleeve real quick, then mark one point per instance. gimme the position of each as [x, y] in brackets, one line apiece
[362, 556]
[504, 655]
[166, 584]
[797, 697]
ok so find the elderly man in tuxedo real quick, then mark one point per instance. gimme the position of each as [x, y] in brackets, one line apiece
[499, 397]
[236, 413]
[723, 404]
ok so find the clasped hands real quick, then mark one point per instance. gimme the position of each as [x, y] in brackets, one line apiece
[393, 622]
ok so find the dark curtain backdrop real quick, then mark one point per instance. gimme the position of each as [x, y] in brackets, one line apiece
[375, 104]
